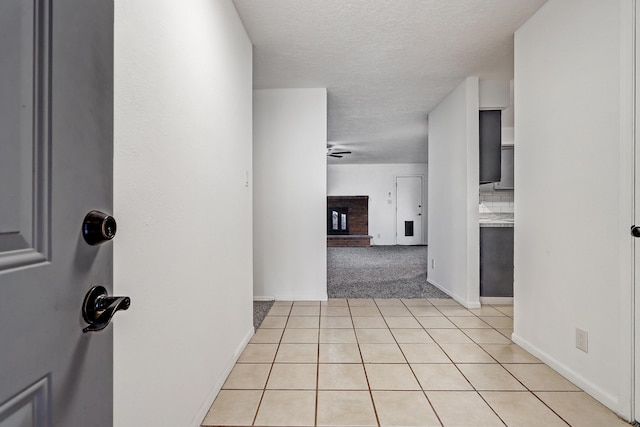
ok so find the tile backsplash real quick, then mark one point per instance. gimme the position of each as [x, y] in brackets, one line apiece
[496, 201]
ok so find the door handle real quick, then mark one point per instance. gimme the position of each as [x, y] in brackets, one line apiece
[98, 308]
[635, 231]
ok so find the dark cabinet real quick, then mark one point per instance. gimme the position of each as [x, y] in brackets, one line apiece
[496, 261]
[490, 145]
[506, 176]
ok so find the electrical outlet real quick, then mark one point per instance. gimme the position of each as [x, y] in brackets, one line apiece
[433, 263]
[378, 235]
[582, 340]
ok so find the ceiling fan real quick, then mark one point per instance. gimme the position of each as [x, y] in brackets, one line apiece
[337, 154]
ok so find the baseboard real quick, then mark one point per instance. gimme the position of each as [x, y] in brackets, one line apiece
[204, 409]
[259, 298]
[607, 399]
[322, 297]
[457, 298]
[496, 300]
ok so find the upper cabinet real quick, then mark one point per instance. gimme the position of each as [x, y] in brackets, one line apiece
[490, 146]
[506, 178]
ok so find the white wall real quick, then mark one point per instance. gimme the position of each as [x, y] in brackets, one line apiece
[571, 212]
[454, 236]
[290, 147]
[183, 253]
[377, 182]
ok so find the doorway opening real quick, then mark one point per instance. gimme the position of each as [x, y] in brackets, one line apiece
[394, 268]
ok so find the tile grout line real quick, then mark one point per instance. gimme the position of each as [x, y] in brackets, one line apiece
[465, 377]
[288, 317]
[456, 365]
[315, 419]
[424, 392]
[550, 408]
[366, 376]
[264, 390]
[478, 392]
[388, 328]
[526, 389]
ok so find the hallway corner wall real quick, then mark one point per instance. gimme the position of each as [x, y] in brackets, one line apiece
[183, 131]
[572, 211]
[454, 237]
[290, 196]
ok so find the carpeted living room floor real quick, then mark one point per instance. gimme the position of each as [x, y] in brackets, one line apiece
[373, 272]
[379, 272]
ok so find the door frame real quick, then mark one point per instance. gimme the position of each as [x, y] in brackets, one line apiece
[423, 197]
[629, 304]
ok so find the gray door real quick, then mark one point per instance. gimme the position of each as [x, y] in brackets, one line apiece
[409, 210]
[56, 149]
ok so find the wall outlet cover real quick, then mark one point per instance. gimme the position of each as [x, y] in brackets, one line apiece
[582, 340]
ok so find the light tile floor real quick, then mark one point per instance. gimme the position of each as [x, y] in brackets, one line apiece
[391, 362]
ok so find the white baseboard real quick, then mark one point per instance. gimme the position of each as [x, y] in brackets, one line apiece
[259, 298]
[204, 408]
[321, 297]
[458, 298]
[607, 399]
[496, 300]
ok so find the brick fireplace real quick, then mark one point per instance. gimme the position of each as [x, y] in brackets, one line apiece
[348, 221]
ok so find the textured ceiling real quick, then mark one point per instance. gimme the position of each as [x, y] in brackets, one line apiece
[385, 63]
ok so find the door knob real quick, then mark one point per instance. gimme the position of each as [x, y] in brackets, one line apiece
[98, 227]
[98, 308]
[635, 231]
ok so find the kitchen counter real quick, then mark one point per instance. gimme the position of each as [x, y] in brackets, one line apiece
[496, 219]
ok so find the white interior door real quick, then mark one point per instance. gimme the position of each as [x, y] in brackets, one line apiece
[409, 210]
[56, 149]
